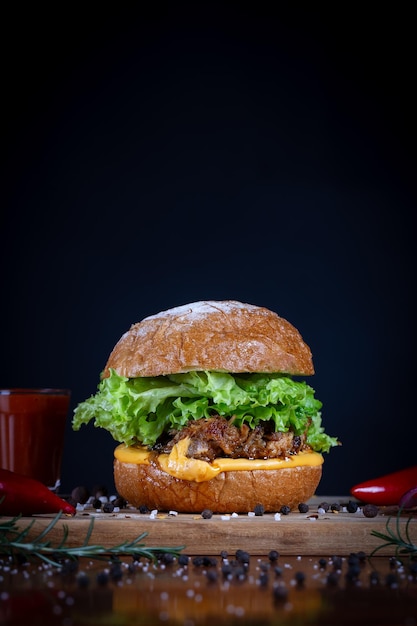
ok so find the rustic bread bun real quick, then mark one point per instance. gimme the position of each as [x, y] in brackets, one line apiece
[225, 336]
[222, 336]
[229, 492]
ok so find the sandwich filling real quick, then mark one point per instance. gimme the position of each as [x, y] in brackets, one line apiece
[179, 464]
[217, 414]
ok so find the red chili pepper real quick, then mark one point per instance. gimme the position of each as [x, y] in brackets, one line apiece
[386, 490]
[21, 495]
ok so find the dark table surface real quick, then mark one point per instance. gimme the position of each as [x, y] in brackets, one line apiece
[217, 590]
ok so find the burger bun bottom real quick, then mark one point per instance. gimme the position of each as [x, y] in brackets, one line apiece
[229, 492]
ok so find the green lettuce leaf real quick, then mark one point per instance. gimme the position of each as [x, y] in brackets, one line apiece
[140, 410]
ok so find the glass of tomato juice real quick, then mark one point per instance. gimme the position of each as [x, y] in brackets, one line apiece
[32, 428]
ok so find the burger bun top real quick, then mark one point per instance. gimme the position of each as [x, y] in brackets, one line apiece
[222, 336]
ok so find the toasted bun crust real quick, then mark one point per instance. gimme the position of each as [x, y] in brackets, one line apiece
[229, 492]
[224, 336]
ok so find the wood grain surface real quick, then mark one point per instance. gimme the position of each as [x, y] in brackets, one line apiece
[294, 534]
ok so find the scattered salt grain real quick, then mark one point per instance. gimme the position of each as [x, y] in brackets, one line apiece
[225, 518]
[277, 517]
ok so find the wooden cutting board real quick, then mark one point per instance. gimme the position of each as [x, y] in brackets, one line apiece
[294, 534]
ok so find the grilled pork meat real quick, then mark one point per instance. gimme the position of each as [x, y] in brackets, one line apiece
[219, 437]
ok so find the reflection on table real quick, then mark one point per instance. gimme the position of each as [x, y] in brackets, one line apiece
[234, 588]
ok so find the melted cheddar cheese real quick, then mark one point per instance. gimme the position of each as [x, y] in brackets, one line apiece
[179, 465]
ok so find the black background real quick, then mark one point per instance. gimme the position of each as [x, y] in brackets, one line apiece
[154, 159]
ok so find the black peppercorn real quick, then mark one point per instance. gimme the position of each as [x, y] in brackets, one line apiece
[242, 556]
[227, 570]
[352, 506]
[120, 502]
[240, 571]
[337, 562]
[332, 579]
[370, 510]
[143, 509]
[116, 572]
[211, 575]
[303, 507]
[259, 510]
[167, 558]
[207, 514]
[183, 559]
[285, 510]
[280, 592]
[353, 559]
[352, 574]
[273, 555]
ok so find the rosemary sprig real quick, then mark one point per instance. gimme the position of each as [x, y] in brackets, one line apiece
[14, 544]
[402, 542]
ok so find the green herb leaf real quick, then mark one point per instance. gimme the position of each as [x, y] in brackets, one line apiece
[14, 543]
[402, 542]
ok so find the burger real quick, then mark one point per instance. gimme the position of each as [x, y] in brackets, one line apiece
[209, 409]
